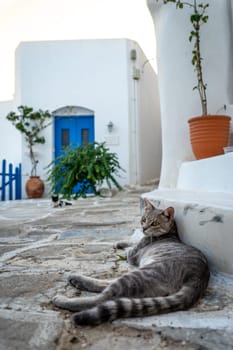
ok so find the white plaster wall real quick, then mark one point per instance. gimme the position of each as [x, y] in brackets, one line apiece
[145, 119]
[10, 140]
[176, 76]
[90, 73]
[95, 74]
[149, 125]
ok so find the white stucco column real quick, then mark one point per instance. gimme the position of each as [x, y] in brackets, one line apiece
[177, 77]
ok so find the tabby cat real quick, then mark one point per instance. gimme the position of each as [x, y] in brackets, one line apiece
[170, 276]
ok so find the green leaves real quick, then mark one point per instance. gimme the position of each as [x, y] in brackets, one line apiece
[86, 166]
[198, 17]
[122, 257]
[205, 19]
[192, 35]
[30, 123]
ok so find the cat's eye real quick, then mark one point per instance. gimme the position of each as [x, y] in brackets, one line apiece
[155, 223]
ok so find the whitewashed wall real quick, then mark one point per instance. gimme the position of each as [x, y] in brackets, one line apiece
[90, 73]
[10, 139]
[144, 119]
[177, 78]
[95, 74]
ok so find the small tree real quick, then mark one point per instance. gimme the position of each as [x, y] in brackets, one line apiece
[198, 17]
[30, 123]
[78, 170]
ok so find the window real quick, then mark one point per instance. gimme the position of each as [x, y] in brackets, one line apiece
[65, 137]
[85, 136]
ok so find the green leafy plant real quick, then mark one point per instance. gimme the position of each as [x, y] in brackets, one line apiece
[198, 17]
[30, 123]
[122, 257]
[80, 169]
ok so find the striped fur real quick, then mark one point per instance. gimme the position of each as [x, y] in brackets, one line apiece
[171, 276]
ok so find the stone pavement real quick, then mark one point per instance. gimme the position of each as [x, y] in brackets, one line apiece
[39, 247]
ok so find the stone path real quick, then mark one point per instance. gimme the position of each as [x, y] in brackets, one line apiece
[39, 247]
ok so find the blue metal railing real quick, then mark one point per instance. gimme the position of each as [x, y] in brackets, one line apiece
[10, 182]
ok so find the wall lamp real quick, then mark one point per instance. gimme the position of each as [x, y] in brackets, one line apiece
[110, 126]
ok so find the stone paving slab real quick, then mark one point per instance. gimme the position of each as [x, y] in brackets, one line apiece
[215, 320]
[41, 245]
[29, 331]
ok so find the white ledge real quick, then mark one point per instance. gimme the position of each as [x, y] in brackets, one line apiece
[213, 174]
[213, 199]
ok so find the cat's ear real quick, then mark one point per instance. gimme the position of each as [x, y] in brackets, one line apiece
[147, 205]
[169, 212]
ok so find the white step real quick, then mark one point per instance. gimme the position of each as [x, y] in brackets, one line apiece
[213, 174]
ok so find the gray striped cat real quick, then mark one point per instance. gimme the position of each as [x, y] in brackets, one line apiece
[170, 276]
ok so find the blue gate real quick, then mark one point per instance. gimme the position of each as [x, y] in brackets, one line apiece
[11, 182]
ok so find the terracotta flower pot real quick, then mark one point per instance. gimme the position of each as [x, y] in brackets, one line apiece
[209, 134]
[34, 187]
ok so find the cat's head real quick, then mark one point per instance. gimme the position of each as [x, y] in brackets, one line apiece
[156, 222]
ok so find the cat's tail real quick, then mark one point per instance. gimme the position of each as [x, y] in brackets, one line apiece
[137, 307]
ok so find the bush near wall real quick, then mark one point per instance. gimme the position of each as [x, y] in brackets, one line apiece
[83, 169]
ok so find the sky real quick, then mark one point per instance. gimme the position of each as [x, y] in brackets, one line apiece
[33, 20]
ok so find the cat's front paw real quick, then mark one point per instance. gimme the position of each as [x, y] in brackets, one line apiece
[81, 282]
[75, 281]
[60, 301]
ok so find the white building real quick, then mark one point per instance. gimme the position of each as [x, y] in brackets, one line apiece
[200, 190]
[95, 82]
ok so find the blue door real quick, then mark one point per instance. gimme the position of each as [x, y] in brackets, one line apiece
[73, 131]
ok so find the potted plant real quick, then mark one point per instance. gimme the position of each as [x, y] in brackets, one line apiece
[209, 133]
[30, 123]
[83, 169]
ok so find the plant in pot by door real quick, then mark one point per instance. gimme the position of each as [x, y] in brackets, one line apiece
[209, 133]
[79, 170]
[30, 123]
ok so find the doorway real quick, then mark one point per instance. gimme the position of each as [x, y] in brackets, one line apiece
[72, 131]
[73, 127]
